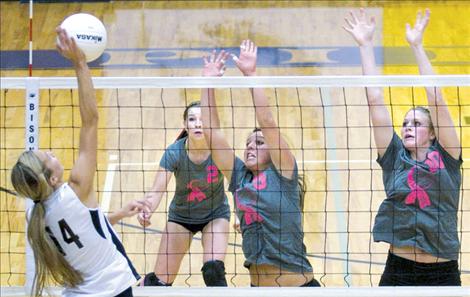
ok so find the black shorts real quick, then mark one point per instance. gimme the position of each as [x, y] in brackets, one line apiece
[403, 272]
[126, 293]
[193, 228]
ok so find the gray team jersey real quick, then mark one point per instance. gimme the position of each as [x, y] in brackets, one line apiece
[422, 200]
[268, 206]
[199, 195]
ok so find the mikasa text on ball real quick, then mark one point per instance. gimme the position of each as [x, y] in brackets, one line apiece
[89, 33]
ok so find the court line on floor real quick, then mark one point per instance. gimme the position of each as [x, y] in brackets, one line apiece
[108, 187]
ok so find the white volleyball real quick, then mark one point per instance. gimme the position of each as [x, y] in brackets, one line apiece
[89, 33]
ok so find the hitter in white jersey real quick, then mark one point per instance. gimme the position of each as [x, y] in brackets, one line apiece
[73, 242]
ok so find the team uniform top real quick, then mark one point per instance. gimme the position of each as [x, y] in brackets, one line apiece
[199, 195]
[268, 207]
[89, 244]
[422, 200]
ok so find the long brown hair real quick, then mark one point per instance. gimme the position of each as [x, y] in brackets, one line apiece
[30, 178]
[184, 133]
[300, 180]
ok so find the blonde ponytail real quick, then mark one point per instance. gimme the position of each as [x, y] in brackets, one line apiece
[30, 178]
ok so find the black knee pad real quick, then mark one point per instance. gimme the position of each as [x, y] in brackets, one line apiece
[151, 279]
[213, 273]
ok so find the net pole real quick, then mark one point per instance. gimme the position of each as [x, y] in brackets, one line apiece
[31, 143]
[30, 65]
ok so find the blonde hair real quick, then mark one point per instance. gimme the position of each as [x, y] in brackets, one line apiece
[426, 112]
[30, 178]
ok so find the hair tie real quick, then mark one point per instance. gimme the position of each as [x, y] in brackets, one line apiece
[36, 201]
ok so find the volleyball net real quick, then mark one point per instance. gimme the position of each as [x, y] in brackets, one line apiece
[324, 119]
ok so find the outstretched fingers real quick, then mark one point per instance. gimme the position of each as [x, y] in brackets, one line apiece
[220, 61]
[425, 18]
[350, 25]
[252, 47]
[354, 19]
[422, 20]
[212, 57]
[362, 15]
[222, 57]
[214, 65]
[67, 46]
[418, 17]
[243, 46]
[62, 39]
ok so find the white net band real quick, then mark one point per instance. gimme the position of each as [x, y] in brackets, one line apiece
[246, 82]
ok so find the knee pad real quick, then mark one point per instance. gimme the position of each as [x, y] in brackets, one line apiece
[151, 279]
[213, 273]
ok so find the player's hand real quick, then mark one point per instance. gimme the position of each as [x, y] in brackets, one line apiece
[414, 35]
[68, 48]
[246, 62]
[214, 65]
[361, 27]
[236, 225]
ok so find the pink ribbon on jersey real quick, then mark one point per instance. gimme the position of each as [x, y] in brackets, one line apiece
[196, 193]
[250, 215]
[417, 192]
[434, 161]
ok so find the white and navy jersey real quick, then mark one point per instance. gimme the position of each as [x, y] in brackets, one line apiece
[89, 243]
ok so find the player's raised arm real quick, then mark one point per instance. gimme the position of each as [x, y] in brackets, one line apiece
[222, 154]
[83, 171]
[362, 29]
[279, 150]
[444, 127]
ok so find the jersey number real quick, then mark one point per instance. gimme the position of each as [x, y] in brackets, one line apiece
[67, 235]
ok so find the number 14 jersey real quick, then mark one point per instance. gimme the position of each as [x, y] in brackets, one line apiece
[90, 245]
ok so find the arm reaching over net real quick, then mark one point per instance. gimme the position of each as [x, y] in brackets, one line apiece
[83, 171]
[222, 154]
[279, 150]
[444, 126]
[362, 30]
[67, 230]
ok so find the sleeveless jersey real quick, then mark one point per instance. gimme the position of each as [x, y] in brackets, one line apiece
[90, 245]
